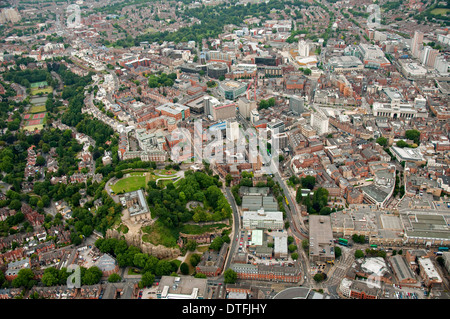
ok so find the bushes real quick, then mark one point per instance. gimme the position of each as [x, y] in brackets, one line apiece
[114, 278]
[184, 268]
[195, 259]
[162, 79]
[319, 277]
[318, 202]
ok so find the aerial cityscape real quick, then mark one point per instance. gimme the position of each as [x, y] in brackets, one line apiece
[236, 150]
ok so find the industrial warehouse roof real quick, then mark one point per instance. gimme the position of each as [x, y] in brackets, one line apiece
[401, 268]
[255, 202]
[428, 227]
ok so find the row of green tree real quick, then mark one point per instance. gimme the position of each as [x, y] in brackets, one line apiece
[132, 256]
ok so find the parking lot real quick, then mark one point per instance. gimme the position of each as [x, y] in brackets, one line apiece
[149, 293]
[87, 256]
[402, 292]
[406, 295]
[314, 268]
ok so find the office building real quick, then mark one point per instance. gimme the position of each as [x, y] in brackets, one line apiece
[246, 106]
[276, 126]
[254, 116]
[175, 110]
[428, 56]
[224, 111]
[372, 56]
[280, 248]
[263, 220]
[320, 123]
[280, 141]
[303, 48]
[441, 65]
[209, 102]
[219, 56]
[412, 70]
[232, 130]
[297, 104]
[416, 44]
[216, 70]
[230, 89]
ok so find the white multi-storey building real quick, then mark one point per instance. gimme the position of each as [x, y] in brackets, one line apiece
[303, 48]
[320, 123]
[395, 109]
[263, 220]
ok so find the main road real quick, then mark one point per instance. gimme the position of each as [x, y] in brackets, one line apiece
[299, 233]
[236, 227]
[292, 213]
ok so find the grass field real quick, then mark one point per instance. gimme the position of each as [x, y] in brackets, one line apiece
[139, 179]
[439, 11]
[46, 90]
[129, 184]
[31, 128]
[38, 109]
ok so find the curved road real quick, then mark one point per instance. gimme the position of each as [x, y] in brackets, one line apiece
[236, 227]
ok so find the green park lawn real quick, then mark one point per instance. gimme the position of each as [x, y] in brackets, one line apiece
[129, 184]
[439, 11]
[31, 128]
[38, 109]
[140, 179]
[46, 90]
